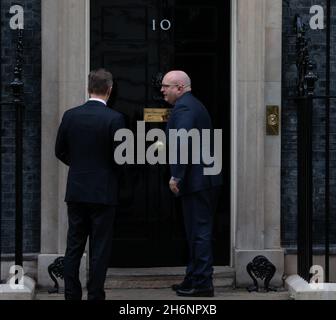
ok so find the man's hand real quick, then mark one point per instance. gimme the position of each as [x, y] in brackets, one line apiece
[173, 185]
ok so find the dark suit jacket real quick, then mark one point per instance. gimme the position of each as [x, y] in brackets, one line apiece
[189, 113]
[85, 142]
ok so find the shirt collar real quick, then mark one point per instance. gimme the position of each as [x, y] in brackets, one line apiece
[96, 99]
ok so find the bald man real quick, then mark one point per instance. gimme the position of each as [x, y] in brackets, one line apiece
[198, 192]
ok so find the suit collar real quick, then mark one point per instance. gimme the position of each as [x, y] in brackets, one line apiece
[100, 100]
[183, 96]
[95, 103]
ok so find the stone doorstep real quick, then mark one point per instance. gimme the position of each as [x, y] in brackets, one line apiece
[152, 283]
[165, 271]
[300, 289]
[156, 278]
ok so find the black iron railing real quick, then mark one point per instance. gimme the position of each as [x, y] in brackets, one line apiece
[327, 153]
[17, 102]
[305, 103]
[17, 88]
[305, 90]
[0, 145]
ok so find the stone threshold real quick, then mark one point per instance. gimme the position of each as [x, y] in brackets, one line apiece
[159, 278]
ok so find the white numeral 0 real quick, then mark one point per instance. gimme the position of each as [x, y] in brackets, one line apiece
[165, 25]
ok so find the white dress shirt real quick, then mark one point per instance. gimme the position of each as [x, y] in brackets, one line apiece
[97, 99]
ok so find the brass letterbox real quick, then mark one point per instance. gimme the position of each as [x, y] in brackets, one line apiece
[157, 114]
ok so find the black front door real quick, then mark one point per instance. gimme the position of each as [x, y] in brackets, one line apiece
[138, 40]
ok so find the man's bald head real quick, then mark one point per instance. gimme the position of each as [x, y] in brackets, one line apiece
[179, 77]
[175, 84]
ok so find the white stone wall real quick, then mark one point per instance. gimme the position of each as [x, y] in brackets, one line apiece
[65, 67]
[272, 178]
[257, 176]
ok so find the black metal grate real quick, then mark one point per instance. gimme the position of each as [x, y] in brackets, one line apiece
[17, 90]
[305, 109]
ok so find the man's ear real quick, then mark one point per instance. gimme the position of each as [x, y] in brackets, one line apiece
[109, 91]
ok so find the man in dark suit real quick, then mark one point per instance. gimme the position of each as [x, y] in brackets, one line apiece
[85, 142]
[198, 191]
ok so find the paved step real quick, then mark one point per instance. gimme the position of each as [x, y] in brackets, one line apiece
[159, 278]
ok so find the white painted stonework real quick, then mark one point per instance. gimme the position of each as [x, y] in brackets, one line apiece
[43, 278]
[256, 157]
[65, 68]
[302, 290]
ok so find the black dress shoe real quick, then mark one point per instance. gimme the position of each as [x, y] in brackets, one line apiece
[184, 285]
[196, 292]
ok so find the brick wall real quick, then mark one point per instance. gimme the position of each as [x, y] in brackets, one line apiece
[317, 48]
[31, 130]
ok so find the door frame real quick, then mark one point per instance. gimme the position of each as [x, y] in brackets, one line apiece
[255, 36]
[65, 65]
[234, 130]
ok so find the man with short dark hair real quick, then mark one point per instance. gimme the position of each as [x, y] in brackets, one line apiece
[85, 142]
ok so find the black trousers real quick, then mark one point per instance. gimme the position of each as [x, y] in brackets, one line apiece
[198, 213]
[95, 221]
